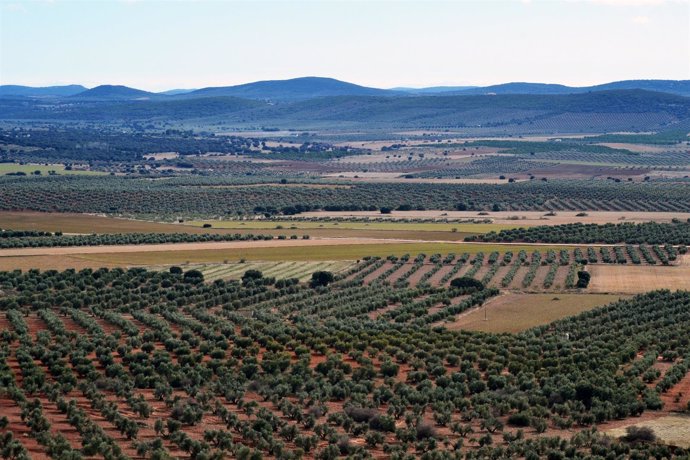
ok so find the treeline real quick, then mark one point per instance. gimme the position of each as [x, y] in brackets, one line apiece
[25, 233]
[645, 233]
[112, 145]
[107, 239]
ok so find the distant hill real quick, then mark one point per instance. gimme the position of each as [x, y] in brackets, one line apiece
[293, 89]
[299, 89]
[599, 111]
[623, 109]
[46, 91]
[432, 89]
[679, 87]
[176, 92]
[115, 92]
[518, 88]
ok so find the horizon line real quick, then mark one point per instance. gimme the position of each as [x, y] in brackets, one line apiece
[392, 88]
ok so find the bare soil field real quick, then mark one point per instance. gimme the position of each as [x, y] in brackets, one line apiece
[638, 279]
[26, 263]
[517, 312]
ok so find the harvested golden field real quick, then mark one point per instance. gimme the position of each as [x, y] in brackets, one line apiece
[518, 312]
[637, 279]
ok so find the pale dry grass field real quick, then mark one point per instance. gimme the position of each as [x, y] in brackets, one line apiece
[163, 155]
[635, 279]
[644, 148]
[673, 429]
[513, 313]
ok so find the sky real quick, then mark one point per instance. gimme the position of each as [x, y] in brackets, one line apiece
[161, 45]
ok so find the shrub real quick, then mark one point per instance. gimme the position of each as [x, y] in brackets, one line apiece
[520, 419]
[583, 278]
[466, 282]
[251, 275]
[321, 278]
[188, 412]
[639, 434]
[194, 276]
[425, 431]
[382, 423]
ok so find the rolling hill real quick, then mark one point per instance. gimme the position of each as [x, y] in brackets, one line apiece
[601, 111]
[293, 89]
[678, 87]
[46, 91]
[114, 92]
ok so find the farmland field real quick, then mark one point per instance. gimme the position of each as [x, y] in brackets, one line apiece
[672, 429]
[44, 169]
[632, 279]
[301, 270]
[518, 312]
[360, 276]
[466, 228]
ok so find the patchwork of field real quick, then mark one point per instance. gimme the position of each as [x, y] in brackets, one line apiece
[516, 312]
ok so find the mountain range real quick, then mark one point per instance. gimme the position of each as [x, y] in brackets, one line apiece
[305, 88]
[317, 103]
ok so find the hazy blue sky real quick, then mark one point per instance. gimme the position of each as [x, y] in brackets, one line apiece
[159, 45]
